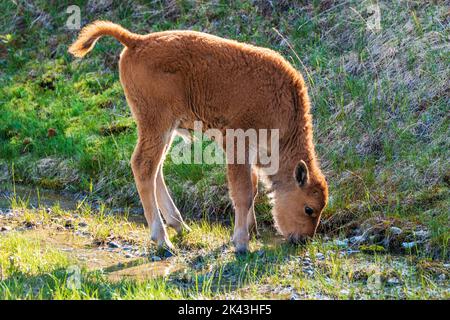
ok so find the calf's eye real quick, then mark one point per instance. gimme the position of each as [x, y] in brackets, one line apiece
[309, 211]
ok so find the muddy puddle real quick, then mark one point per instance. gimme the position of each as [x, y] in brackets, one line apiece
[116, 263]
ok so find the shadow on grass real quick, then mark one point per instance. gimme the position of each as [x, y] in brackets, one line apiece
[202, 277]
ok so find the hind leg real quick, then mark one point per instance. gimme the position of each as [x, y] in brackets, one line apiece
[145, 164]
[251, 217]
[168, 208]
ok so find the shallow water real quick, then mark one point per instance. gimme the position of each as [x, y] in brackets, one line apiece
[36, 197]
[113, 262]
[117, 263]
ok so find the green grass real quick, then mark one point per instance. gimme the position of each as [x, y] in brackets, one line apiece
[36, 264]
[380, 104]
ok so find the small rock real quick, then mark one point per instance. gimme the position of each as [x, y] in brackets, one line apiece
[393, 281]
[421, 234]
[156, 258]
[68, 224]
[5, 228]
[82, 224]
[284, 290]
[344, 292]
[295, 296]
[306, 261]
[442, 277]
[113, 244]
[320, 256]
[29, 225]
[409, 245]
[349, 252]
[341, 243]
[129, 255]
[357, 239]
[309, 271]
[395, 230]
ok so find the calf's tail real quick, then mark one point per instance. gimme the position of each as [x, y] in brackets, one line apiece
[92, 32]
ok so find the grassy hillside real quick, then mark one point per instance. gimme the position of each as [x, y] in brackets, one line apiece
[380, 101]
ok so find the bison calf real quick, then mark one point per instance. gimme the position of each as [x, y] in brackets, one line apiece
[172, 79]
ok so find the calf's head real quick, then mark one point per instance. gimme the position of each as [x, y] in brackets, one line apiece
[299, 201]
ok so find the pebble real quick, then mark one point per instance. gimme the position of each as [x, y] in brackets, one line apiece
[348, 252]
[357, 239]
[5, 228]
[156, 258]
[129, 255]
[295, 296]
[309, 271]
[341, 243]
[409, 245]
[113, 244]
[320, 256]
[82, 224]
[68, 224]
[344, 291]
[393, 281]
[422, 234]
[8, 213]
[395, 230]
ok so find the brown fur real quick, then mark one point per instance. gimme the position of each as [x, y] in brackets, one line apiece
[173, 78]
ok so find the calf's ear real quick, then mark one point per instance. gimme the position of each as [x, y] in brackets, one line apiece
[301, 174]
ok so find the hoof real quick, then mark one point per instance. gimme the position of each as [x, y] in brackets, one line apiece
[180, 227]
[254, 233]
[165, 252]
[240, 241]
[183, 228]
[241, 250]
[163, 243]
[166, 245]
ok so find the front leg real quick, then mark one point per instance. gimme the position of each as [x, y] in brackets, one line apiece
[241, 194]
